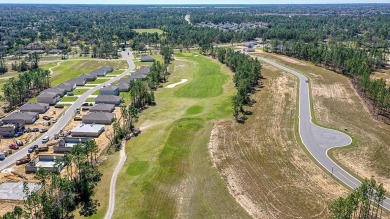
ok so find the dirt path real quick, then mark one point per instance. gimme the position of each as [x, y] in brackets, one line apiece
[58, 65]
[111, 205]
[175, 84]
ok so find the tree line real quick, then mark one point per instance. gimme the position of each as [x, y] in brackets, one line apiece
[364, 202]
[247, 77]
[18, 90]
[60, 196]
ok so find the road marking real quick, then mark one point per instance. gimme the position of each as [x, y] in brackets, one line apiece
[354, 183]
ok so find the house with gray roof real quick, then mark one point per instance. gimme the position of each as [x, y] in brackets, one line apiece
[59, 91]
[123, 87]
[102, 70]
[88, 77]
[34, 107]
[16, 117]
[137, 76]
[125, 80]
[88, 130]
[67, 86]
[79, 81]
[109, 90]
[50, 98]
[147, 59]
[98, 118]
[108, 108]
[108, 99]
[145, 70]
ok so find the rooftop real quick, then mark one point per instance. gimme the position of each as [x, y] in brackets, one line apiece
[30, 106]
[102, 107]
[110, 88]
[21, 116]
[88, 128]
[108, 98]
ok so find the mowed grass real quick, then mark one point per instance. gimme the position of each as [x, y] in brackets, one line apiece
[68, 99]
[99, 80]
[79, 91]
[151, 30]
[207, 83]
[337, 105]
[73, 68]
[169, 161]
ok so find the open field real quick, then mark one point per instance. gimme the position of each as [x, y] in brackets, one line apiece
[169, 172]
[265, 167]
[336, 104]
[151, 30]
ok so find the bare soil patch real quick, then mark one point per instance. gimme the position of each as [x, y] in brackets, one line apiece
[262, 163]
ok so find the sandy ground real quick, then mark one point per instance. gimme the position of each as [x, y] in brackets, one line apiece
[175, 84]
[264, 167]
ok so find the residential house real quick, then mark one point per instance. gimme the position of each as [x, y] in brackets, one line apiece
[123, 87]
[52, 163]
[34, 107]
[98, 118]
[60, 91]
[108, 99]
[108, 108]
[67, 86]
[66, 144]
[79, 81]
[48, 97]
[110, 90]
[9, 130]
[88, 77]
[88, 130]
[147, 59]
[26, 117]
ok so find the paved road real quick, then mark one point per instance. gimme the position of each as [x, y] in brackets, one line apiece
[68, 115]
[319, 140]
[111, 203]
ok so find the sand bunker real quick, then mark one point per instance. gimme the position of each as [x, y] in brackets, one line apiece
[175, 84]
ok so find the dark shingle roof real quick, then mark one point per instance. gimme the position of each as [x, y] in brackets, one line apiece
[109, 88]
[103, 107]
[108, 98]
[99, 116]
[147, 59]
[34, 106]
[20, 116]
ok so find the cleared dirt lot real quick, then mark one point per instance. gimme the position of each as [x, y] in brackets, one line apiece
[264, 167]
[336, 104]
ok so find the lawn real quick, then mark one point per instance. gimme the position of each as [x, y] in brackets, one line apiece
[151, 30]
[68, 99]
[115, 73]
[98, 81]
[170, 161]
[126, 97]
[91, 99]
[79, 91]
[73, 68]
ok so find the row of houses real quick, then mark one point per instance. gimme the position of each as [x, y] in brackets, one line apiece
[52, 95]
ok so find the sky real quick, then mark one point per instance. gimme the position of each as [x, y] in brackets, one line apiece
[192, 1]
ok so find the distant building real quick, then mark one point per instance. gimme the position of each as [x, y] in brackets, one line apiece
[88, 130]
[110, 90]
[34, 107]
[98, 118]
[147, 59]
[108, 99]
[102, 70]
[16, 117]
[89, 77]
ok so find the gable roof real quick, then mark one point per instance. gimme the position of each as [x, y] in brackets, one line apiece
[147, 59]
[122, 85]
[143, 70]
[66, 85]
[98, 116]
[21, 116]
[34, 106]
[109, 88]
[109, 98]
[57, 90]
[102, 107]
[48, 94]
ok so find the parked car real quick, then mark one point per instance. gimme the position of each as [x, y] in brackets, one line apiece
[14, 146]
[43, 130]
[77, 118]
[19, 142]
[35, 130]
[90, 104]
[136, 132]
[17, 134]
[45, 139]
[54, 121]
[85, 109]
[32, 148]
[59, 106]
[46, 118]
[70, 94]
[85, 104]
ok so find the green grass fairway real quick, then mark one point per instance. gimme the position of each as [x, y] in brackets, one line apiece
[151, 30]
[170, 160]
[208, 81]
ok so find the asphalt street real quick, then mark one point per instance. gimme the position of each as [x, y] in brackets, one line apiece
[68, 115]
[319, 140]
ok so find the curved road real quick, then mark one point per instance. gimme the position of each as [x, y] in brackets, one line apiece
[68, 115]
[319, 140]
